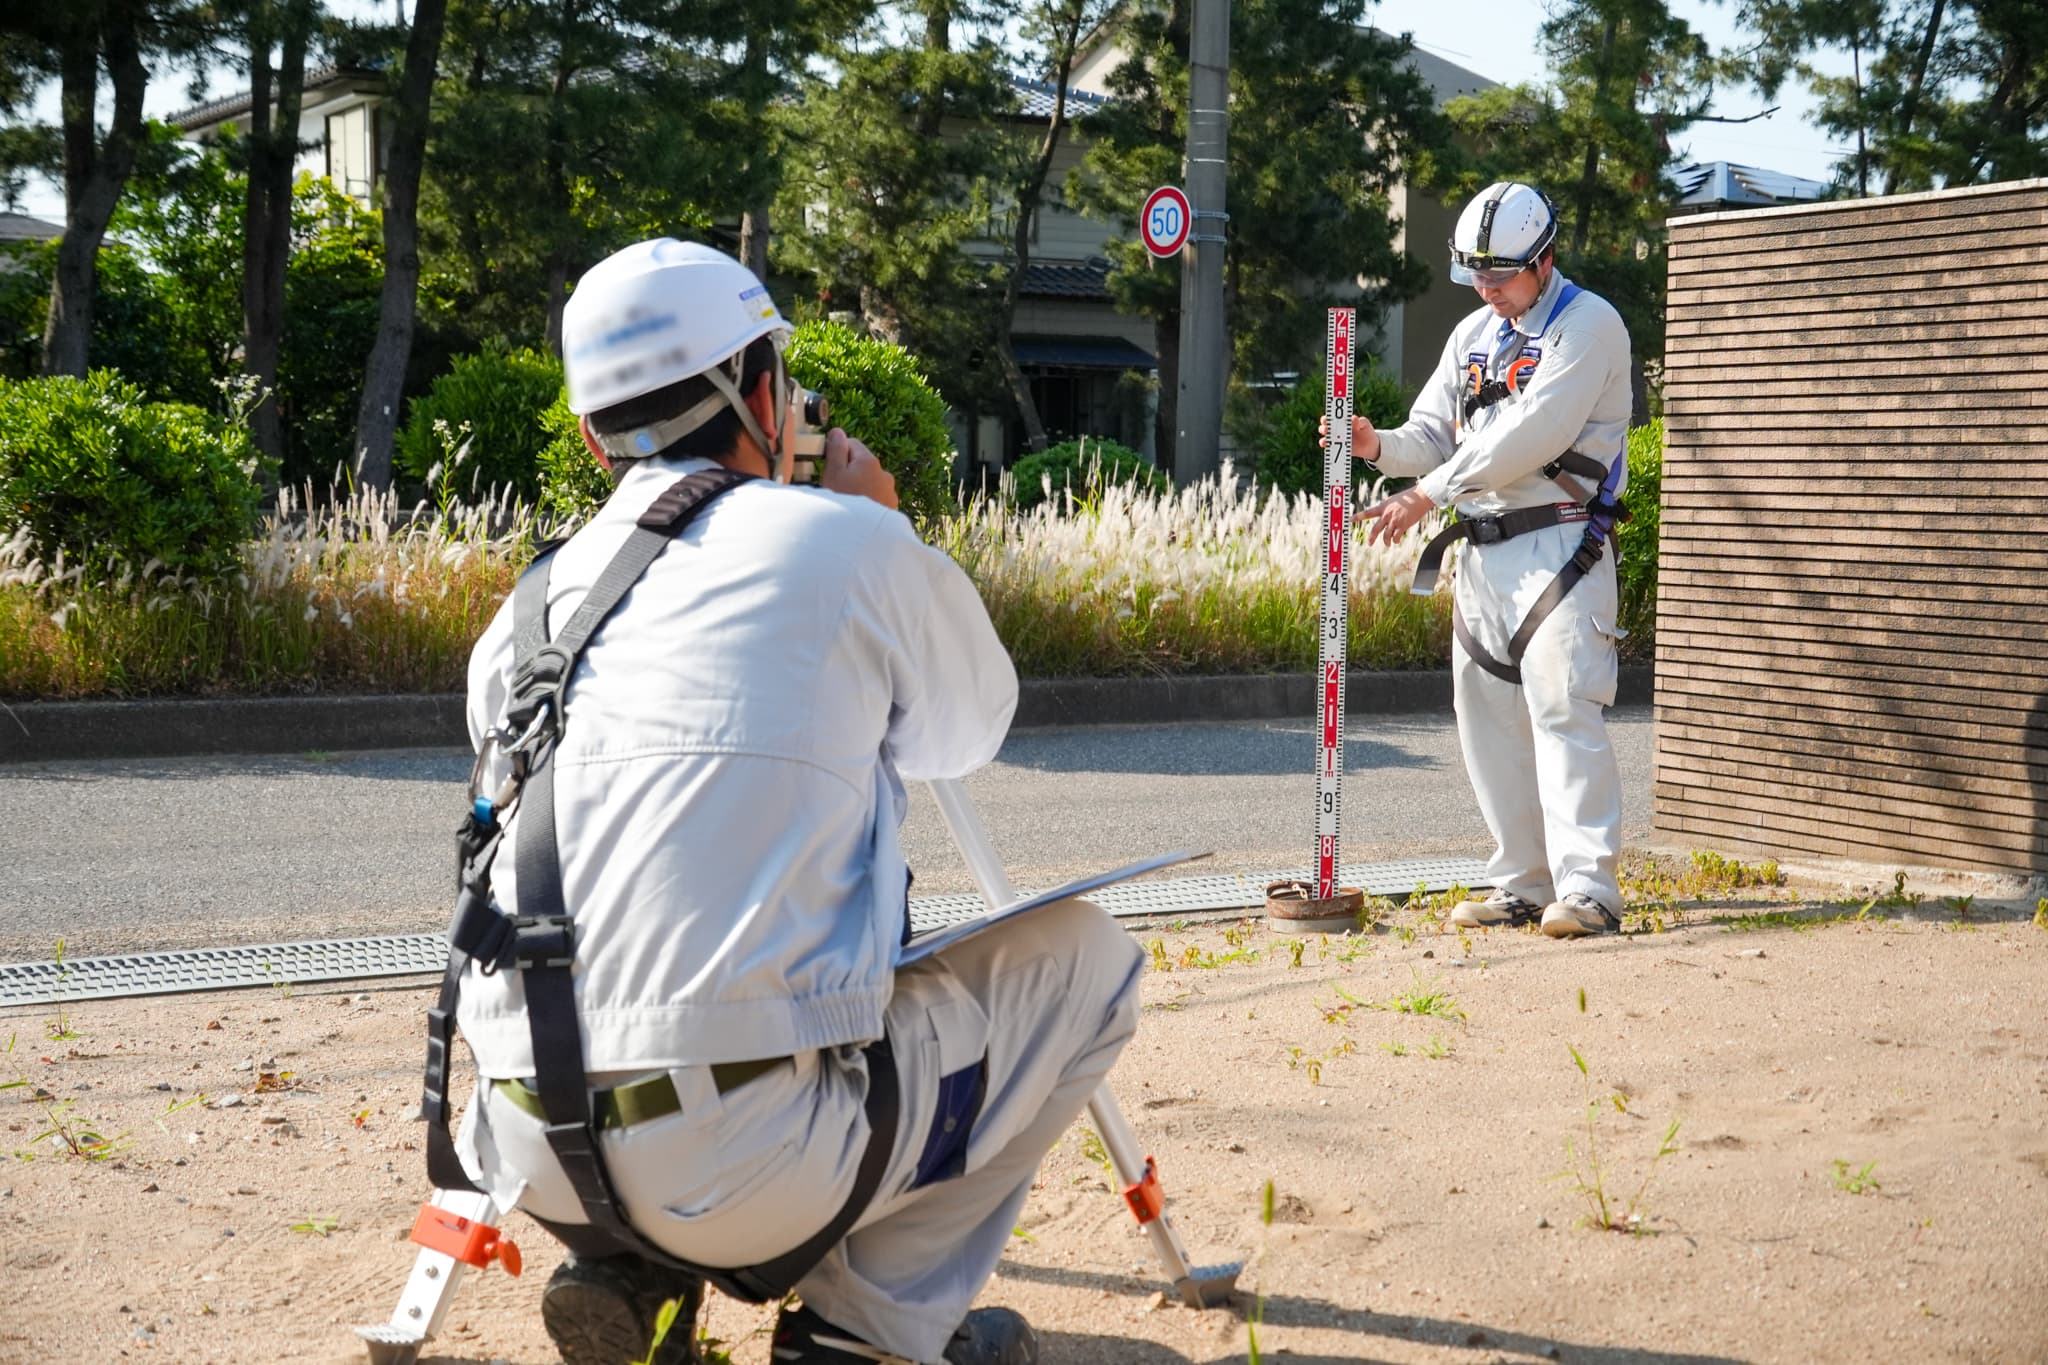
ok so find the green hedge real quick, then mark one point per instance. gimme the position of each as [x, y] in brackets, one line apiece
[880, 394]
[1288, 446]
[504, 397]
[1085, 466]
[1637, 537]
[91, 468]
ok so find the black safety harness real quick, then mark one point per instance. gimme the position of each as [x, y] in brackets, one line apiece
[1600, 513]
[540, 943]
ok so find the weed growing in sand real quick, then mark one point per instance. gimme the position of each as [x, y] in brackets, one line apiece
[74, 1134]
[1257, 1314]
[2041, 913]
[1653, 890]
[1396, 1049]
[1960, 905]
[60, 1029]
[1161, 962]
[1295, 950]
[1899, 898]
[1422, 998]
[1438, 1047]
[1854, 1182]
[1093, 1147]
[1587, 1175]
[710, 1350]
[317, 1224]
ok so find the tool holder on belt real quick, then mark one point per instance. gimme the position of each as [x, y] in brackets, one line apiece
[540, 943]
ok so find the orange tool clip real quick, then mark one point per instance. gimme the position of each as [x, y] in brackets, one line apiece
[1146, 1198]
[469, 1242]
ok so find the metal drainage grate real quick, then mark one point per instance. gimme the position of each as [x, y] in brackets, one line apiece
[357, 959]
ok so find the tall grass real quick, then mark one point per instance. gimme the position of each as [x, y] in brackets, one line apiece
[360, 596]
[1210, 578]
[364, 596]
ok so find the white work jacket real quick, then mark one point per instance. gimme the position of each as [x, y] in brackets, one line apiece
[727, 786]
[1569, 367]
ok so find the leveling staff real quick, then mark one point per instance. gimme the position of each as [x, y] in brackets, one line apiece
[1530, 403]
[698, 1058]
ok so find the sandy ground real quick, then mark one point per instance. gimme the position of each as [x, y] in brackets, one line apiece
[1413, 1158]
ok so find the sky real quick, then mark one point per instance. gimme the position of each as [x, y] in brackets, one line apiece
[1502, 46]
[1498, 39]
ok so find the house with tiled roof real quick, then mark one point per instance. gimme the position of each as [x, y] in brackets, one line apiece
[341, 132]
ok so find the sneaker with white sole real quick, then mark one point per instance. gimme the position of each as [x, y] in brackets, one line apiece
[1501, 909]
[1575, 915]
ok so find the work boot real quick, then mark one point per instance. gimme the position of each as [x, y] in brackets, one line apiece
[989, 1336]
[603, 1312]
[1577, 916]
[1503, 909]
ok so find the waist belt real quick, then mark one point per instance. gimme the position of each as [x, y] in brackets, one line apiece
[1600, 512]
[643, 1101]
[1489, 531]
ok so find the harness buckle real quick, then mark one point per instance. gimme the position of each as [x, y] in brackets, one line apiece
[537, 688]
[542, 941]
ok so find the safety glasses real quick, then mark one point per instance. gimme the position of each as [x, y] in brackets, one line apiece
[1487, 272]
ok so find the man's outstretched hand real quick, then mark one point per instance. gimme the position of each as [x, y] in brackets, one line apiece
[1392, 518]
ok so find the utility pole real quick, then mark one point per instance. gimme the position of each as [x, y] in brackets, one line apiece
[1204, 347]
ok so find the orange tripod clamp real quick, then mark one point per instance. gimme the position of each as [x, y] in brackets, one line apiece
[467, 1241]
[1146, 1197]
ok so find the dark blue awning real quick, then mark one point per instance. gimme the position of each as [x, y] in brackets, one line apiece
[1081, 353]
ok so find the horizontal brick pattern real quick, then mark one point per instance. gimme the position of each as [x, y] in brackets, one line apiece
[1852, 610]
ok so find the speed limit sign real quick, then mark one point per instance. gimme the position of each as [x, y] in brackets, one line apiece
[1165, 221]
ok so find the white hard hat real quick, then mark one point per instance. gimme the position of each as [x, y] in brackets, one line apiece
[656, 314]
[1501, 233]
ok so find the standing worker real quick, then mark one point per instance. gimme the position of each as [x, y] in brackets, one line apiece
[697, 1057]
[1531, 401]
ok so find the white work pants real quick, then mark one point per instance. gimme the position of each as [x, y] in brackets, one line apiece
[1049, 999]
[1538, 755]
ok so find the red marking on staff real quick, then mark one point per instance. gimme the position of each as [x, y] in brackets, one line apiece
[1336, 537]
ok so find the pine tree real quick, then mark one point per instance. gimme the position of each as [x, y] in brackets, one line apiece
[1325, 121]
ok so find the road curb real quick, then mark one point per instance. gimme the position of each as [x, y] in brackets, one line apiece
[36, 732]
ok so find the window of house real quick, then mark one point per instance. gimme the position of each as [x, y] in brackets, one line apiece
[352, 151]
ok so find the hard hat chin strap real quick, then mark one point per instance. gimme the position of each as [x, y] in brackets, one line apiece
[777, 450]
[656, 437]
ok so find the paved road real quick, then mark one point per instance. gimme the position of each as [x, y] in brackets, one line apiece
[178, 853]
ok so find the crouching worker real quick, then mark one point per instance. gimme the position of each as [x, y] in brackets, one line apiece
[697, 1057]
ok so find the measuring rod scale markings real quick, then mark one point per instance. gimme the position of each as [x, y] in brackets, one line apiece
[1334, 616]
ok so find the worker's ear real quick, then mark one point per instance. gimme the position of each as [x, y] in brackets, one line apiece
[590, 443]
[761, 402]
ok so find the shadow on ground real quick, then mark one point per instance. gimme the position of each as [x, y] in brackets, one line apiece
[1287, 1310]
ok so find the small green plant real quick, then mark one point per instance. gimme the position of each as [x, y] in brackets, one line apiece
[1093, 1147]
[1587, 1174]
[1294, 951]
[1258, 1310]
[1422, 998]
[1438, 1047]
[317, 1224]
[1395, 1049]
[1856, 1181]
[1960, 905]
[2041, 913]
[60, 1029]
[1899, 898]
